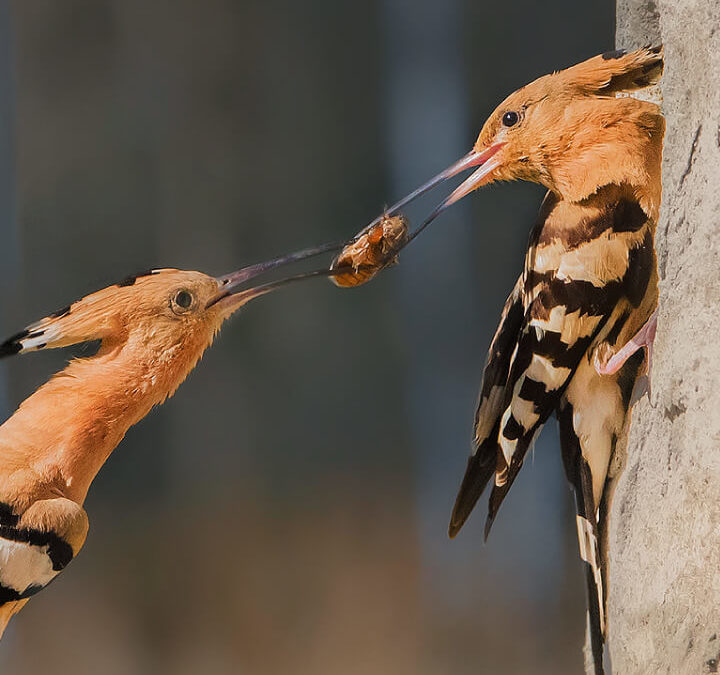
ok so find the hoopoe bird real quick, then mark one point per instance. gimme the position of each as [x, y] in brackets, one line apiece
[584, 302]
[153, 329]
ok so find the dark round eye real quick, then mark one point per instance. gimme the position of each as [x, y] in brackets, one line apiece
[183, 299]
[510, 118]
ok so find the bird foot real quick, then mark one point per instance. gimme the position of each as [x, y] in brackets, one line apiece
[606, 362]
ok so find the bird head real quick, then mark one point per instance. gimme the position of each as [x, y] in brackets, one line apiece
[570, 132]
[160, 313]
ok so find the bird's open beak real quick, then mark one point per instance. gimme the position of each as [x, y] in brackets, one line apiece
[484, 161]
[233, 294]
[487, 161]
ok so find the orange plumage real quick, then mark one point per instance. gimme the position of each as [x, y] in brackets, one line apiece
[153, 329]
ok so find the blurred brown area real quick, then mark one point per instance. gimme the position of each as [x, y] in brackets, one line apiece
[276, 515]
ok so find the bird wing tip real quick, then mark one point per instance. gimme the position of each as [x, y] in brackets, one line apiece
[456, 524]
[488, 526]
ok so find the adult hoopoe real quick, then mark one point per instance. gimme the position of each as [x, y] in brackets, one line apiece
[583, 304]
[153, 328]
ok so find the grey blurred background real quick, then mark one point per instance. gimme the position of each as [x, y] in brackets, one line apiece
[286, 511]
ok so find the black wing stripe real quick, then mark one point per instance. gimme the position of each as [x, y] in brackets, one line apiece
[513, 430]
[532, 390]
[560, 354]
[58, 550]
[8, 594]
[580, 295]
[618, 215]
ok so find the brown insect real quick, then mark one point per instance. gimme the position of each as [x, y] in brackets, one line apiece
[374, 250]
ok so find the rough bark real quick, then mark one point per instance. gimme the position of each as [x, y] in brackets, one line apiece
[664, 538]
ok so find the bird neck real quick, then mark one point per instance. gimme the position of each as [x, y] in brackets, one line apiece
[67, 429]
[626, 150]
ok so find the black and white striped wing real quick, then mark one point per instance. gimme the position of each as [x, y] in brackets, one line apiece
[482, 463]
[29, 559]
[576, 278]
[533, 355]
[557, 333]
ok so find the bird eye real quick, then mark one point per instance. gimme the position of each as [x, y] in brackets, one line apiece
[510, 118]
[182, 300]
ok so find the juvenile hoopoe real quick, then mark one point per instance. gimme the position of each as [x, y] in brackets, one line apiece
[153, 328]
[584, 301]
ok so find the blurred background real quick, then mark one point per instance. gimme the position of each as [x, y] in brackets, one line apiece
[286, 511]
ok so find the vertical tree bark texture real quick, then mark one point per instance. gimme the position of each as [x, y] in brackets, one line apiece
[664, 537]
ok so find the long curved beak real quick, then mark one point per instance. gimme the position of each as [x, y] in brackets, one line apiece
[486, 162]
[233, 294]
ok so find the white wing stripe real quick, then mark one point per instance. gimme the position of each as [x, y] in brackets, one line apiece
[23, 565]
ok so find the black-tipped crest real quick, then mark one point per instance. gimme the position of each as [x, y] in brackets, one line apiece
[615, 54]
[617, 71]
[12, 345]
[130, 280]
[17, 342]
[61, 312]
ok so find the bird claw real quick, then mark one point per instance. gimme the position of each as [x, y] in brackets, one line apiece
[607, 363]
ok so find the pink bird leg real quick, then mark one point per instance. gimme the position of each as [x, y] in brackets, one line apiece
[607, 365]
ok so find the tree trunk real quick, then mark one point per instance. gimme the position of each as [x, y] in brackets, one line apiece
[664, 531]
